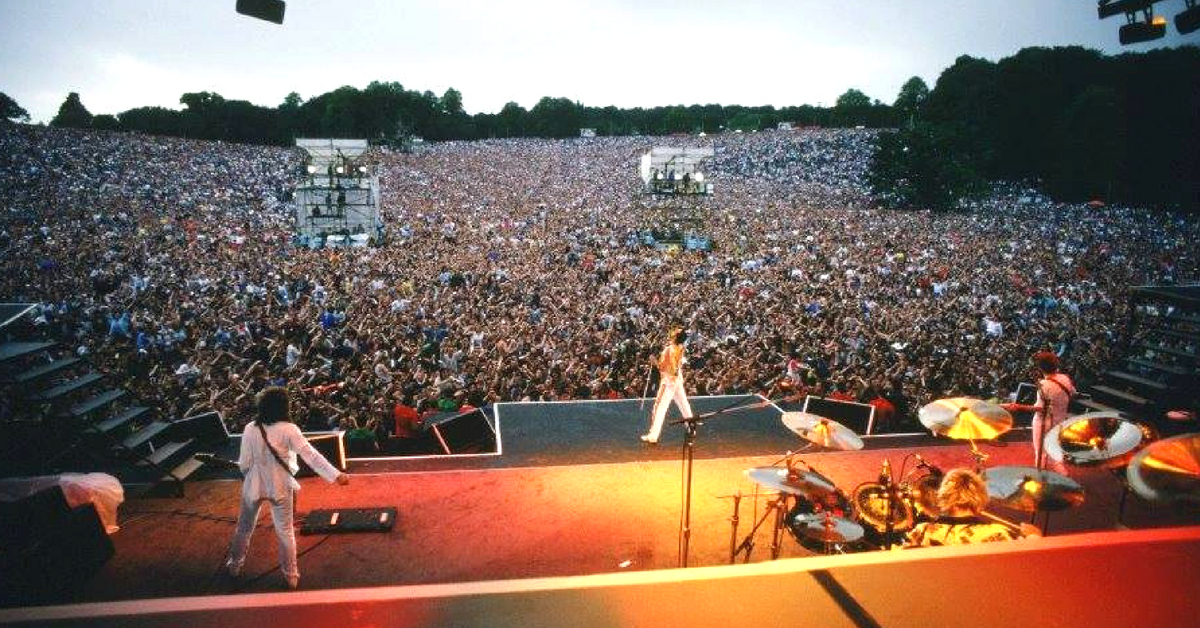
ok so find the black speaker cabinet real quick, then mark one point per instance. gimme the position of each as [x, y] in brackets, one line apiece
[859, 417]
[464, 433]
[330, 445]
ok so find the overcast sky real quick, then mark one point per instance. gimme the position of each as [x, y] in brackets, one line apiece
[120, 54]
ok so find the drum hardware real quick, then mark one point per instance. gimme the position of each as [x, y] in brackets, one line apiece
[1099, 439]
[809, 487]
[778, 507]
[691, 425]
[966, 418]
[821, 431]
[1168, 470]
[1032, 490]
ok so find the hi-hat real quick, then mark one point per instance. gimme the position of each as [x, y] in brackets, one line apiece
[1096, 438]
[965, 418]
[1028, 489]
[821, 431]
[825, 528]
[791, 480]
[1168, 469]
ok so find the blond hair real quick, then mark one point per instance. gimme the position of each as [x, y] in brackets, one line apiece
[962, 489]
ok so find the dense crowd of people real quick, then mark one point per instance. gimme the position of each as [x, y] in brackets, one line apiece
[513, 270]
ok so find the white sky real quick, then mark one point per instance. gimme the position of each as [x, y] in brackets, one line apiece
[120, 54]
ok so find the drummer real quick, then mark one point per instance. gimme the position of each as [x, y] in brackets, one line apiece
[961, 498]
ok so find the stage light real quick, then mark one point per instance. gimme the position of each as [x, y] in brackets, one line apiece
[362, 169]
[1189, 19]
[341, 170]
[658, 175]
[1109, 8]
[269, 10]
[311, 169]
[1138, 32]
[699, 177]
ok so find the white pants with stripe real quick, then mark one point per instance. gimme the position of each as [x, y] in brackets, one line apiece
[670, 389]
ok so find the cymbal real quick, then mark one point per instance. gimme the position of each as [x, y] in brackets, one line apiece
[1096, 439]
[793, 481]
[1168, 469]
[965, 418]
[821, 431]
[826, 528]
[1026, 488]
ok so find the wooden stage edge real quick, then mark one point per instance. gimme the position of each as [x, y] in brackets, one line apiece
[1149, 580]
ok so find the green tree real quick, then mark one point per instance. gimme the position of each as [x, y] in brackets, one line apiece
[853, 98]
[451, 101]
[10, 110]
[1090, 146]
[908, 102]
[154, 121]
[745, 121]
[106, 122]
[512, 120]
[918, 167]
[556, 117]
[72, 113]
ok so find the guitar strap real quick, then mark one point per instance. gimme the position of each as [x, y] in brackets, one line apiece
[1070, 393]
[274, 454]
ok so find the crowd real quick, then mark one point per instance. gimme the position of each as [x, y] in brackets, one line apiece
[513, 271]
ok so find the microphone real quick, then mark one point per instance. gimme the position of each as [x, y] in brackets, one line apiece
[921, 462]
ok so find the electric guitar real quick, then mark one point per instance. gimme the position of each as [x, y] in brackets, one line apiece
[214, 459]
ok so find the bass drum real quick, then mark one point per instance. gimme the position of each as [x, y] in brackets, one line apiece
[870, 502]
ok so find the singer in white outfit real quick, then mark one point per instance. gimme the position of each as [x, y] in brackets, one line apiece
[670, 386]
[267, 481]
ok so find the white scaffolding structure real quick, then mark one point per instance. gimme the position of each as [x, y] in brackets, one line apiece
[338, 202]
[676, 170]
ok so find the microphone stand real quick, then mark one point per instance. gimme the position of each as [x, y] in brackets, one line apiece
[690, 425]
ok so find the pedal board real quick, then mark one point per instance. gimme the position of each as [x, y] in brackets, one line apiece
[349, 520]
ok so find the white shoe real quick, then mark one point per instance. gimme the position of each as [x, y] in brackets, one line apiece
[646, 439]
[293, 581]
[231, 569]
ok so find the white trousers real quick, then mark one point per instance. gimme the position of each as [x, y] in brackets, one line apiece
[281, 516]
[669, 389]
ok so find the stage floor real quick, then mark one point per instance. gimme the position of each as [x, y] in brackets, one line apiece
[513, 522]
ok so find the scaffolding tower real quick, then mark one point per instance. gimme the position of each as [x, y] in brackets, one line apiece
[337, 204]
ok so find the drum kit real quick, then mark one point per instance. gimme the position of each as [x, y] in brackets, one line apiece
[876, 515]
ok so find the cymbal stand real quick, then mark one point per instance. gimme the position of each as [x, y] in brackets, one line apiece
[737, 503]
[778, 507]
[828, 523]
[979, 456]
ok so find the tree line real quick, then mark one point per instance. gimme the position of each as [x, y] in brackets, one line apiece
[387, 112]
[1078, 124]
[1081, 125]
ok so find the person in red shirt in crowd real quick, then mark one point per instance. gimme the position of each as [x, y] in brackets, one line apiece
[408, 422]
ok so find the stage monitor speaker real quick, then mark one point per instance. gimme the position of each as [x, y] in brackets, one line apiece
[859, 417]
[207, 428]
[464, 433]
[331, 446]
[56, 561]
[24, 521]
